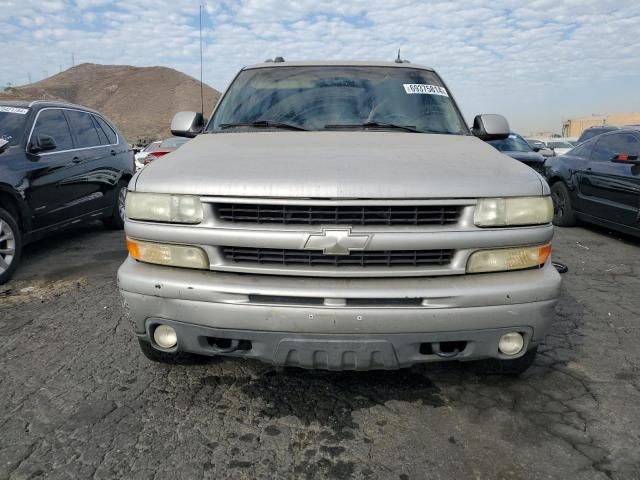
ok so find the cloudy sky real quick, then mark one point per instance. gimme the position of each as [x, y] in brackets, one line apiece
[536, 62]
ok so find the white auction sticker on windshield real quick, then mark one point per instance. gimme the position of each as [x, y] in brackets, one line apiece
[424, 89]
[21, 111]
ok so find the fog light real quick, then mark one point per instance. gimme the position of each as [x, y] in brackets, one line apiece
[165, 336]
[511, 343]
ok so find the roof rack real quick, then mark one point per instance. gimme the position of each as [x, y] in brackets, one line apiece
[61, 103]
[275, 60]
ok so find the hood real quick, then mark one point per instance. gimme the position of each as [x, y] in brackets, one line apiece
[527, 157]
[338, 165]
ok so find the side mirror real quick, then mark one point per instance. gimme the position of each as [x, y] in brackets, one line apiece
[490, 127]
[625, 158]
[42, 143]
[535, 149]
[187, 124]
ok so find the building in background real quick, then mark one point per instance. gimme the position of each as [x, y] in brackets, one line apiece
[573, 127]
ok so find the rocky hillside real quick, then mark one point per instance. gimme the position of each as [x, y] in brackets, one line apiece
[140, 100]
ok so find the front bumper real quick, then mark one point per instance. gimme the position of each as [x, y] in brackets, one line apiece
[224, 313]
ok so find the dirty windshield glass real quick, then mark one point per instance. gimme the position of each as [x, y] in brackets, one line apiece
[12, 123]
[338, 98]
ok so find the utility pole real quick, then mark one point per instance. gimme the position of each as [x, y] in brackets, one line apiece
[73, 59]
[29, 77]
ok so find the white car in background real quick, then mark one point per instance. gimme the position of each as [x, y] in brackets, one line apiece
[560, 147]
[541, 147]
[142, 154]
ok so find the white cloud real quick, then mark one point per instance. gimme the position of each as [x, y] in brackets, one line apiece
[536, 62]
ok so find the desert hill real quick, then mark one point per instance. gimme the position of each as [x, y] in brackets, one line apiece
[140, 100]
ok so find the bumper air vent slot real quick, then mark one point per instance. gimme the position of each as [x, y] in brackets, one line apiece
[366, 258]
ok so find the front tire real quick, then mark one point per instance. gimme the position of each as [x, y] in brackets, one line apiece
[116, 220]
[10, 245]
[494, 366]
[563, 214]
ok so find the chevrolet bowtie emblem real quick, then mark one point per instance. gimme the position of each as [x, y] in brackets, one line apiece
[336, 242]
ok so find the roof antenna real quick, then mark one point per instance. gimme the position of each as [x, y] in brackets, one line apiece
[398, 59]
[201, 82]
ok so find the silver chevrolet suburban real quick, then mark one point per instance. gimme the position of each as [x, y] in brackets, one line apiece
[340, 215]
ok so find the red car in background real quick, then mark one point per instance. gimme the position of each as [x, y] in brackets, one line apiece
[167, 146]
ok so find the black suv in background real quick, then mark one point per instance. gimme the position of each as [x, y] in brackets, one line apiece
[59, 164]
[599, 182]
[518, 148]
[594, 131]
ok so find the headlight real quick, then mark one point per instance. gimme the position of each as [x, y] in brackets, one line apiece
[504, 259]
[161, 207]
[503, 212]
[165, 254]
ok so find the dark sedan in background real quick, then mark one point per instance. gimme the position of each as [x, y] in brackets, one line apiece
[599, 182]
[517, 147]
[59, 164]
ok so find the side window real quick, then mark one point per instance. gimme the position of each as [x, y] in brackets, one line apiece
[610, 145]
[103, 137]
[83, 130]
[604, 149]
[53, 123]
[111, 135]
[629, 144]
[583, 150]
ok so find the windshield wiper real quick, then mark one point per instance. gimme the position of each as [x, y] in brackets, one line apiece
[263, 123]
[406, 128]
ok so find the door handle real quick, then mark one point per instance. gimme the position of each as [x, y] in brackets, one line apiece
[113, 152]
[76, 160]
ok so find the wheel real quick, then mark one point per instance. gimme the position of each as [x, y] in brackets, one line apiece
[10, 245]
[116, 220]
[493, 366]
[171, 358]
[563, 215]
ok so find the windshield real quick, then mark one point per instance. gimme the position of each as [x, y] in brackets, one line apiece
[513, 143]
[12, 121]
[560, 145]
[337, 97]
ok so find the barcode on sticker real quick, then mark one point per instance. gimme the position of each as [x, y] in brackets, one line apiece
[424, 89]
[21, 111]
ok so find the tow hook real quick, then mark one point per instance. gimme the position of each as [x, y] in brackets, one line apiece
[560, 267]
[233, 346]
[435, 348]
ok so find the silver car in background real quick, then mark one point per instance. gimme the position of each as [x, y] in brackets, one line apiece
[142, 154]
[559, 147]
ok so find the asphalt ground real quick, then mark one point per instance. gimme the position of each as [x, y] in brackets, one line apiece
[78, 399]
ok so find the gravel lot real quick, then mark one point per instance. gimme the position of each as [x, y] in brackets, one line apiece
[78, 400]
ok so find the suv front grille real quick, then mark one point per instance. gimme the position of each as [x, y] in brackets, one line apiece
[366, 258]
[339, 215]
